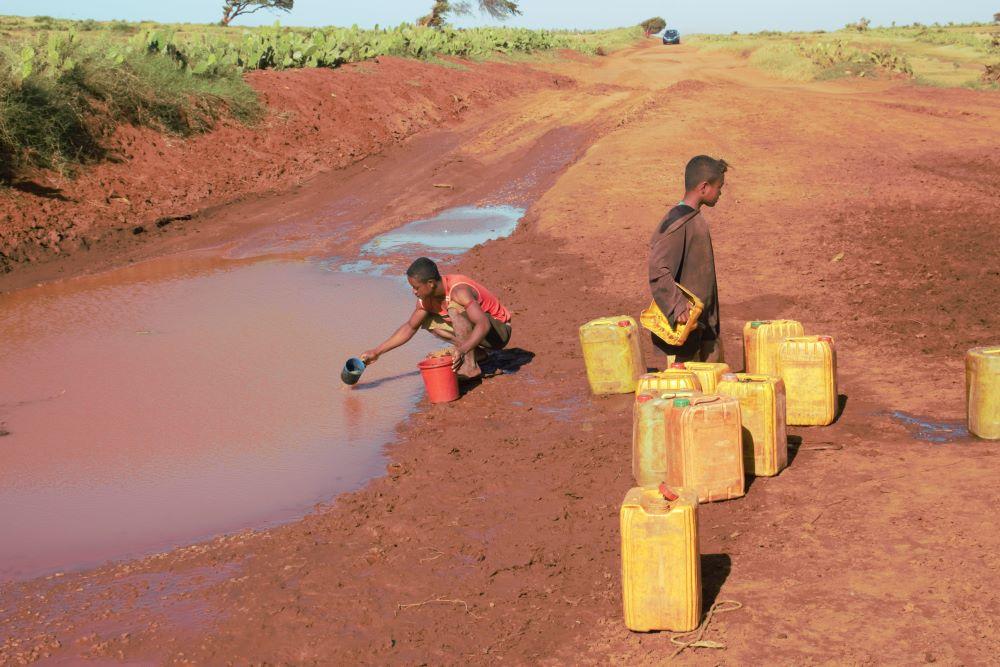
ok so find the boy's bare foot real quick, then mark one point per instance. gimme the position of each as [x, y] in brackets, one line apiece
[462, 377]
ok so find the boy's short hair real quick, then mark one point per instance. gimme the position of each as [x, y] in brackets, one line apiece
[701, 169]
[423, 269]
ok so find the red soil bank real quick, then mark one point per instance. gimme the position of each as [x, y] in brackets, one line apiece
[316, 120]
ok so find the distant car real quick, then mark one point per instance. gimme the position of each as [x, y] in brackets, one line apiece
[671, 37]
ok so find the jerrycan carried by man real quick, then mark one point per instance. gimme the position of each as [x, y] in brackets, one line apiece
[649, 440]
[762, 411]
[761, 339]
[704, 438]
[808, 367]
[661, 569]
[612, 354]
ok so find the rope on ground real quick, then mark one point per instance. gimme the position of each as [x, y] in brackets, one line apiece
[698, 642]
[440, 600]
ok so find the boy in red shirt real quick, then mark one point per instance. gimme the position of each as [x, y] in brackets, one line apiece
[454, 308]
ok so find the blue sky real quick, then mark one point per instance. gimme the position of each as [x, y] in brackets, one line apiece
[719, 16]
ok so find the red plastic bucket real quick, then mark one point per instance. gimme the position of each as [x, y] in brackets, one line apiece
[440, 381]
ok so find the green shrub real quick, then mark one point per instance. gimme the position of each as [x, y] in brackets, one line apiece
[891, 61]
[60, 94]
[835, 58]
[121, 26]
[60, 99]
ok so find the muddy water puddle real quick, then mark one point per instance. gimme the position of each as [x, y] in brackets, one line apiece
[182, 398]
[450, 232]
[923, 428]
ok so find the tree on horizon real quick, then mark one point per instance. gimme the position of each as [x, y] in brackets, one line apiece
[498, 9]
[233, 8]
[653, 25]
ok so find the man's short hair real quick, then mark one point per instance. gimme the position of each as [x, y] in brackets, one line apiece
[701, 169]
[423, 270]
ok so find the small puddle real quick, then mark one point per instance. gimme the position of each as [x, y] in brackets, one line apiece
[451, 232]
[164, 403]
[923, 429]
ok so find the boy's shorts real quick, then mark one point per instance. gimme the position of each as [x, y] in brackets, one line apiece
[496, 338]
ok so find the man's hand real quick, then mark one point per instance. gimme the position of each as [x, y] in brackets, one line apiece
[369, 356]
[682, 318]
[457, 358]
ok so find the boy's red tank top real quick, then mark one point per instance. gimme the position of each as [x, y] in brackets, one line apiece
[487, 301]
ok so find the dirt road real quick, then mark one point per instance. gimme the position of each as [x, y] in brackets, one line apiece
[867, 210]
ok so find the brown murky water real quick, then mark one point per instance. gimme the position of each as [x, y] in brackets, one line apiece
[176, 400]
[199, 394]
[194, 395]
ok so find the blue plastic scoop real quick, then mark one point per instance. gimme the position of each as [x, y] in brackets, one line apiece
[352, 370]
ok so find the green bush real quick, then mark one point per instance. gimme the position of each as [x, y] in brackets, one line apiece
[834, 58]
[60, 98]
[62, 94]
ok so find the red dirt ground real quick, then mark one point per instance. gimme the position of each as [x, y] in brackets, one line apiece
[316, 120]
[494, 535]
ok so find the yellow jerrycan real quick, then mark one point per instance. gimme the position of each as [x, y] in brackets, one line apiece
[649, 445]
[808, 367]
[762, 411]
[661, 568]
[612, 354]
[672, 379]
[655, 321]
[982, 391]
[705, 446]
[709, 373]
[761, 339]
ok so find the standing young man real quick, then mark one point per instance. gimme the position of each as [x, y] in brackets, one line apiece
[681, 252]
[454, 308]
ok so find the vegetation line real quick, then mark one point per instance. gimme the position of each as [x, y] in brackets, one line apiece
[65, 85]
[952, 55]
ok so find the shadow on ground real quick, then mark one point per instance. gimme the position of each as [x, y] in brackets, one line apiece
[715, 569]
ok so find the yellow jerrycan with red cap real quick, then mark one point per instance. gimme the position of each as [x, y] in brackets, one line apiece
[761, 339]
[704, 437]
[674, 378]
[649, 444]
[982, 391]
[709, 373]
[612, 354]
[762, 412]
[808, 367]
[661, 568]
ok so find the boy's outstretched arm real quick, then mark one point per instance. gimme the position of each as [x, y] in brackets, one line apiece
[403, 334]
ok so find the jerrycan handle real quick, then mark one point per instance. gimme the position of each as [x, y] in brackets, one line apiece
[667, 492]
